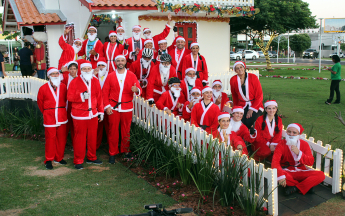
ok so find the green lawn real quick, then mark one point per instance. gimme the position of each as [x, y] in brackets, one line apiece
[28, 188]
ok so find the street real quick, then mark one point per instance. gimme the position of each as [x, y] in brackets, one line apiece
[298, 60]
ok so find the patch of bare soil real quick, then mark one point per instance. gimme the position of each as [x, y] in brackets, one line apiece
[329, 208]
[5, 145]
[97, 168]
[33, 171]
[15, 212]
[38, 159]
[67, 156]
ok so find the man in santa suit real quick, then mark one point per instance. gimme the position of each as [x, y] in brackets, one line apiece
[142, 69]
[51, 100]
[118, 100]
[190, 81]
[205, 113]
[92, 47]
[291, 158]
[178, 54]
[163, 48]
[172, 101]
[239, 128]
[220, 98]
[40, 53]
[135, 44]
[148, 44]
[69, 53]
[87, 110]
[121, 35]
[194, 98]
[197, 61]
[158, 79]
[113, 49]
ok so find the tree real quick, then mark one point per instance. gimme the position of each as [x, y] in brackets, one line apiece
[9, 35]
[342, 47]
[300, 42]
[275, 17]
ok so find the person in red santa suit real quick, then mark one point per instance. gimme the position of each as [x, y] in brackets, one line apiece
[92, 47]
[40, 53]
[194, 98]
[172, 101]
[269, 127]
[225, 134]
[189, 82]
[291, 158]
[85, 94]
[163, 48]
[113, 49]
[51, 100]
[220, 98]
[197, 61]
[246, 92]
[135, 44]
[149, 45]
[118, 100]
[69, 53]
[121, 35]
[239, 128]
[205, 113]
[178, 54]
[158, 79]
[142, 69]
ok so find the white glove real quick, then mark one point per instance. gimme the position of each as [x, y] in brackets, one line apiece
[101, 117]
[86, 95]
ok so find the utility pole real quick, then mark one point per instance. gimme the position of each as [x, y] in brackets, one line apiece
[278, 49]
[320, 45]
[288, 60]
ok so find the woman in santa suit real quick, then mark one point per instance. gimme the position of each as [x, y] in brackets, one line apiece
[113, 49]
[196, 61]
[269, 128]
[246, 92]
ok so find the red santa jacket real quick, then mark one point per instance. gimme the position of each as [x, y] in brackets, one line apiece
[233, 140]
[40, 56]
[243, 132]
[268, 136]
[169, 48]
[155, 84]
[225, 100]
[83, 109]
[166, 101]
[116, 93]
[185, 89]
[285, 160]
[205, 116]
[130, 42]
[110, 57]
[52, 104]
[161, 36]
[200, 66]
[177, 60]
[253, 97]
[98, 47]
[68, 53]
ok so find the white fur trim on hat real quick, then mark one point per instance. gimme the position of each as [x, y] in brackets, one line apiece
[113, 33]
[195, 90]
[120, 27]
[78, 40]
[148, 41]
[180, 38]
[193, 44]
[101, 63]
[223, 116]
[86, 64]
[52, 71]
[217, 82]
[162, 41]
[92, 27]
[189, 69]
[136, 26]
[146, 29]
[237, 63]
[206, 89]
[240, 110]
[294, 126]
[120, 56]
[40, 36]
[268, 103]
[71, 62]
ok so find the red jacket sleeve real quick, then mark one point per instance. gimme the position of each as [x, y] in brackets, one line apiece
[237, 141]
[186, 114]
[164, 34]
[106, 92]
[234, 93]
[193, 119]
[63, 43]
[82, 50]
[257, 100]
[150, 84]
[215, 123]
[160, 104]
[73, 95]
[40, 99]
[100, 106]
[278, 153]
[205, 71]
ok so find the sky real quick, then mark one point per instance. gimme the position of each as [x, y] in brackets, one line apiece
[327, 8]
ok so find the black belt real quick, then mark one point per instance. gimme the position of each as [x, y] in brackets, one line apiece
[86, 110]
[55, 108]
[119, 103]
[204, 126]
[288, 165]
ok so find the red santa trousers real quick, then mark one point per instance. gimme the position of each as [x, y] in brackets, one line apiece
[56, 138]
[116, 120]
[101, 125]
[304, 180]
[263, 152]
[69, 126]
[85, 130]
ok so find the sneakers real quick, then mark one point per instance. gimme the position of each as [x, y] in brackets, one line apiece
[62, 162]
[290, 190]
[79, 166]
[326, 102]
[49, 165]
[94, 162]
[112, 159]
[128, 155]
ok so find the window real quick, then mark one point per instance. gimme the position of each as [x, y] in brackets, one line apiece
[187, 31]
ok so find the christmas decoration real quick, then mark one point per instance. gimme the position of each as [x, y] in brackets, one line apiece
[184, 18]
[96, 20]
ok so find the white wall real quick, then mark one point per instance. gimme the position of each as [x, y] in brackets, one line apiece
[54, 50]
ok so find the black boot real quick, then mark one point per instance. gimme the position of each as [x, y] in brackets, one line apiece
[49, 165]
[112, 159]
[290, 190]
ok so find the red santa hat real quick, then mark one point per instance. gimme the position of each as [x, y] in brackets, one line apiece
[136, 26]
[223, 115]
[194, 44]
[270, 102]
[120, 56]
[162, 41]
[195, 89]
[146, 29]
[240, 62]
[297, 126]
[189, 69]
[78, 39]
[180, 38]
[217, 82]
[102, 61]
[206, 88]
[52, 70]
[148, 41]
[119, 27]
[71, 62]
[92, 27]
[237, 109]
[86, 64]
[111, 33]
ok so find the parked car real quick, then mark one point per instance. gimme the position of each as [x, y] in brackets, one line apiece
[341, 55]
[272, 54]
[250, 54]
[310, 53]
[261, 54]
[235, 56]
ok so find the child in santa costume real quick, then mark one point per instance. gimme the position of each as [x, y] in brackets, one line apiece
[291, 158]
[178, 54]
[113, 49]
[118, 100]
[158, 79]
[194, 98]
[220, 98]
[196, 61]
[205, 113]
[51, 100]
[239, 128]
[269, 127]
[135, 44]
[92, 47]
[189, 82]
[246, 92]
[69, 53]
[172, 101]
[87, 110]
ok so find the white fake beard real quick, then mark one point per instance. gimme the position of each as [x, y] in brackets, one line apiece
[164, 69]
[136, 36]
[76, 48]
[216, 93]
[87, 75]
[148, 36]
[195, 100]
[91, 37]
[145, 63]
[55, 80]
[102, 72]
[120, 37]
[235, 126]
[176, 92]
[291, 140]
[190, 80]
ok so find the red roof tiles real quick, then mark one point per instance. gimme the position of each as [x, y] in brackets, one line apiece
[130, 3]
